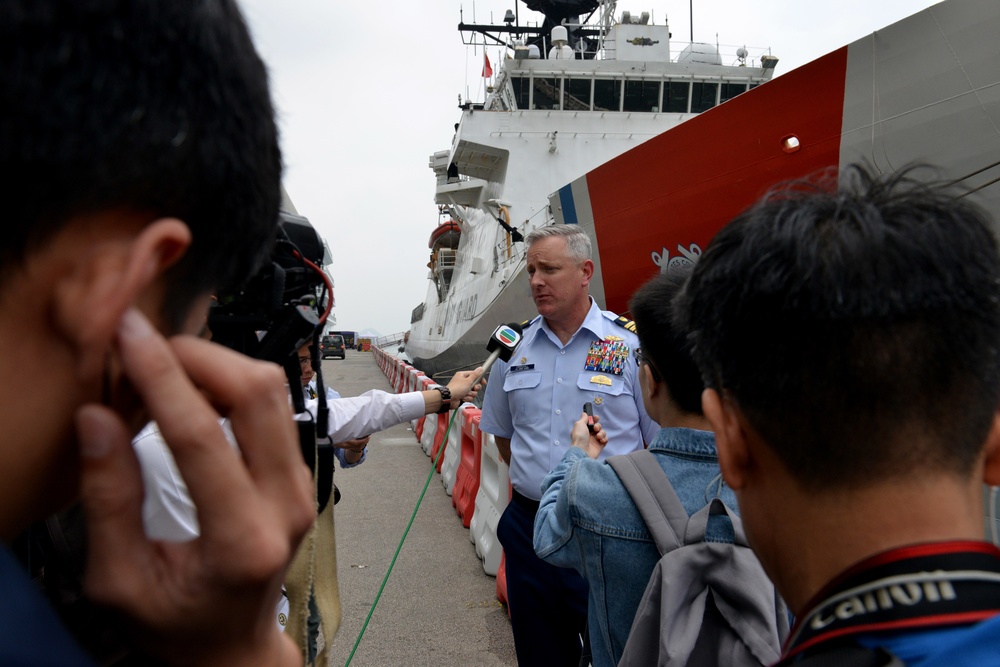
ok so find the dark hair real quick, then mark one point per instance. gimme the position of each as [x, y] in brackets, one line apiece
[855, 327]
[665, 343]
[148, 107]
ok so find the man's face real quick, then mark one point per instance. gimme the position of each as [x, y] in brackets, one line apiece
[558, 282]
[304, 364]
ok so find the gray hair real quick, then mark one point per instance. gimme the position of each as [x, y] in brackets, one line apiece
[578, 245]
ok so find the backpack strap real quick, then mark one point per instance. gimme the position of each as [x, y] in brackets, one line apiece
[654, 496]
[698, 523]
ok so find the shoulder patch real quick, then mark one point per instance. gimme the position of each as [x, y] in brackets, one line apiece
[527, 323]
[625, 323]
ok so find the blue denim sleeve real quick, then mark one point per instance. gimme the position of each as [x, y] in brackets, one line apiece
[553, 539]
[341, 455]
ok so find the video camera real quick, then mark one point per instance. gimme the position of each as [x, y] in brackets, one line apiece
[281, 307]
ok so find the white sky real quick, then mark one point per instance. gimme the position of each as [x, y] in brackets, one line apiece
[367, 91]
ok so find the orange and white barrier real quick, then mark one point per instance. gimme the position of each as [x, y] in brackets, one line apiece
[415, 383]
[448, 465]
[463, 496]
[491, 501]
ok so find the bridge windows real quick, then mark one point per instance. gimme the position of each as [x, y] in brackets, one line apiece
[546, 93]
[731, 90]
[521, 87]
[703, 96]
[676, 95]
[606, 95]
[641, 95]
[578, 92]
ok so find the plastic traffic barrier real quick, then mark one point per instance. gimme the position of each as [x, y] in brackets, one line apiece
[428, 425]
[400, 384]
[434, 428]
[439, 441]
[414, 383]
[453, 452]
[463, 496]
[492, 499]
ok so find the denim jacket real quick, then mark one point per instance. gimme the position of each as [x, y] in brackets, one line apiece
[587, 521]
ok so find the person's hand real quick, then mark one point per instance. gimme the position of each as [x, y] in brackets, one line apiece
[582, 437]
[210, 601]
[356, 445]
[462, 388]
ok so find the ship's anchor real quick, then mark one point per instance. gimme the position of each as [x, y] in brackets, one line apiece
[686, 258]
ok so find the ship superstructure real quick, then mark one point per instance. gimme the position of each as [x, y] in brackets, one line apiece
[567, 97]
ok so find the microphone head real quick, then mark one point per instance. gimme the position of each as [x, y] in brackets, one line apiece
[505, 338]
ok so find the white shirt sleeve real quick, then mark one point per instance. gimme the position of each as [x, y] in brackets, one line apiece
[167, 510]
[371, 412]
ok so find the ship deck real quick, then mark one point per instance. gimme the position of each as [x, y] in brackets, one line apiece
[439, 607]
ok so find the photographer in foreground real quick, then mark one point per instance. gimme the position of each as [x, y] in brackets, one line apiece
[131, 195]
[848, 335]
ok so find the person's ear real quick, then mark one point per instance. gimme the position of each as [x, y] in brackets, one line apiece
[991, 451]
[588, 270]
[735, 457]
[652, 386]
[120, 271]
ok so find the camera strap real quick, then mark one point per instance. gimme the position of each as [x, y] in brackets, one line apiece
[919, 587]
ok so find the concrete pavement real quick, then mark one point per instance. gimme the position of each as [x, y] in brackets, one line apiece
[439, 607]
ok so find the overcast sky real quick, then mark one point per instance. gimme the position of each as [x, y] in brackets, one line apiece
[367, 91]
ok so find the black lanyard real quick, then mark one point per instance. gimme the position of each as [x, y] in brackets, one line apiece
[923, 586]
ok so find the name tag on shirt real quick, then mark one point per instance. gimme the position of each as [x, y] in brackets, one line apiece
[522, 367]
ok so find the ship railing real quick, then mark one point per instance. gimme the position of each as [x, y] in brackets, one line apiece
[390, 340]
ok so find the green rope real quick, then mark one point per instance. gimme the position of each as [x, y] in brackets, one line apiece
[430, 476]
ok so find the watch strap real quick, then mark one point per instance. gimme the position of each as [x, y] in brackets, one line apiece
[445, 399]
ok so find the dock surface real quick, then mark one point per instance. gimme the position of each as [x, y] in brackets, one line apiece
[439, 607]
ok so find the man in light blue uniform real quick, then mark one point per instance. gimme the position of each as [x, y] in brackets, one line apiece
[571, 354]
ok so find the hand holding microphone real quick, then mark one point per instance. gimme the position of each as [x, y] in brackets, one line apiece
[464, 385]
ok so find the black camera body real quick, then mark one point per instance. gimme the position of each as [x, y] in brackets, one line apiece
[275, 313]
[279, 307]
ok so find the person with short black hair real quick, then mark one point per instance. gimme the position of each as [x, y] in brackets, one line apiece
[849, 334]
[141, 174]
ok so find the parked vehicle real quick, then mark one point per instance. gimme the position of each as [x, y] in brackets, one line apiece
[350, 337]
[332, 346]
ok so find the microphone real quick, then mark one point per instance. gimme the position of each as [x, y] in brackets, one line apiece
[503, 342]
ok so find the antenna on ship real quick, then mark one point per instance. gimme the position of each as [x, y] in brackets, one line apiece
[691, 18]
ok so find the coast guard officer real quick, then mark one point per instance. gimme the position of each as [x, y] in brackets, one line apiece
[571, 354]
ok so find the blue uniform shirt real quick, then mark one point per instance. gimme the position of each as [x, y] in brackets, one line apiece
[535, 397]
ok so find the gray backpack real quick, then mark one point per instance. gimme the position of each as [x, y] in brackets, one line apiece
[707, 603]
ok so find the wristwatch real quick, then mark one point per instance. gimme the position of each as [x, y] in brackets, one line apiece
[445, 399]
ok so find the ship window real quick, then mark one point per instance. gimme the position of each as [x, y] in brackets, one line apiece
[576, 94]
[675, 96]
[546, 93]
[703, 96]
[642, 95]
[521, 85]
[605, 95]
[731, 90]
